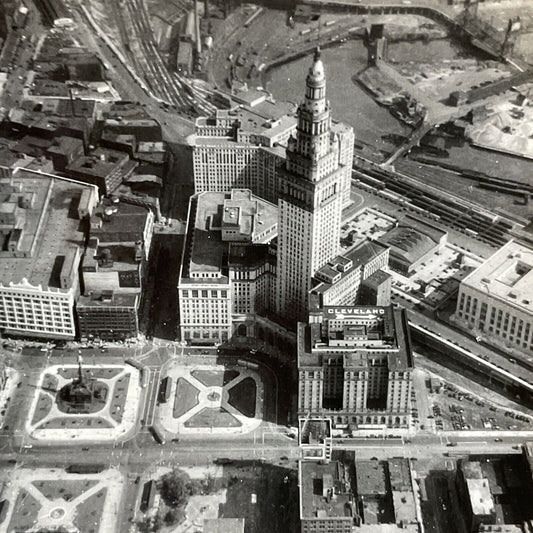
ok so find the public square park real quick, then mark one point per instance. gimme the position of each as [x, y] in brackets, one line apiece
[51, 499]
[211, 399]
[93, 403]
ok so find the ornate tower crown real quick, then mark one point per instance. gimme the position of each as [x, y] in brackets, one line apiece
[312, 136]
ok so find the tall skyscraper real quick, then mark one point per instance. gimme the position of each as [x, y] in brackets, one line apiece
[310, 199]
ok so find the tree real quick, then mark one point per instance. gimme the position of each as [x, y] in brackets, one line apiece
[173, 489]
[172, 516]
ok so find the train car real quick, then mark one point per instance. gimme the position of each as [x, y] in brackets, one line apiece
[148, 495]
[164, 390]
[158, 436]
[248, 364]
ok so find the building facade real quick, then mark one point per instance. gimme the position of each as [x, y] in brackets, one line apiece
[310, 200]
[354, 366]
[242, 147]
[113, 269]
[340, 281]
[495, 301]
[228, 267]
[40, 258]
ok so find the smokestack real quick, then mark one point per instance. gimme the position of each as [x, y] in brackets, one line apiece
[206, 9]
[197, 28]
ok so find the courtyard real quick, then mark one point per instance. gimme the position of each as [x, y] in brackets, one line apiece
[110, 416]
[212, 399]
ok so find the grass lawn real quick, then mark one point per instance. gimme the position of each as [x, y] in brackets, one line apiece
[119, 398]
[97, 373]
[43, 407]
[50, 383]
[242, 397]
[186, 397]
[24, 513]
[64, 489]
[216, 418]
[215, 378]
[89, 512]
[82, 422]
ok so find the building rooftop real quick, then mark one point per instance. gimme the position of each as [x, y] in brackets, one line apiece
[507, 276]
[119, 222]
[359, 256]
[325, 490]
[480, 496]
[100, 162]
[371, 478]
[214, 215]
[412, 238]
[254, 113]
[49, 229]
[389, 334]
[377, 278]
[101, 300]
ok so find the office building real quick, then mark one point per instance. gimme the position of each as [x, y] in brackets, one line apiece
[228, 268]
[495, 301]
[113, 268]
[42, 246]
[310, 199]
[243, 146]
[354, 367]
[340, 281]
[376, 289]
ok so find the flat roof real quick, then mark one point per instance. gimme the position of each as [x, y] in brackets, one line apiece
[315, 479]
[377, 278]
[124, 223]
[51, 224]
[208, 219]
[480, 496]
[507, 276]
[313, 342]
[118, 300]
[371, 477]
[362, 254]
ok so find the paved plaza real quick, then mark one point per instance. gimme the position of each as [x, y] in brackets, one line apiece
[114, 420]
[211, 399]
[52, 499]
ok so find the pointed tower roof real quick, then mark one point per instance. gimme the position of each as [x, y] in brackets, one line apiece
[317, 75]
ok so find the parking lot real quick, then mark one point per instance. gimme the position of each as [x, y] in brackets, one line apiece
[455, 409]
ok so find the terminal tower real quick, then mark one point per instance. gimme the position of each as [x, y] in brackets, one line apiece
[312, 186]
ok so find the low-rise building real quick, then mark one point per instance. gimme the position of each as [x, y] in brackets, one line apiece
[411, 242]
[105, 168]
[348, 496]
[354, 367]
[113, 269]
[496, 300]
[42, 245]
[326, 497]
